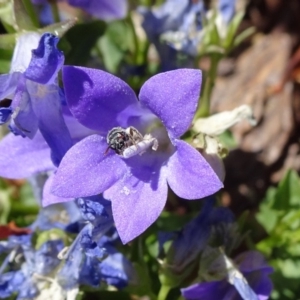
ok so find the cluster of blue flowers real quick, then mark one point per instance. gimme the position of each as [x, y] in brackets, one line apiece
[109, 158]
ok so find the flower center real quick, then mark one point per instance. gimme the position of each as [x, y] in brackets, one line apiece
[129, 142]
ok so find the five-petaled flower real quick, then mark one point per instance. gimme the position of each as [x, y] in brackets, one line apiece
[137, 186]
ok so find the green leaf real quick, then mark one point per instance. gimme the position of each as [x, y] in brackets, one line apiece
[232, 29]
[5, 204]
[289, 268]
[267, 216]
[7, 16]
[22, 19]
[172, 222]
[227, 139]
[141, 285]
[288, 192]
[115, 44]
[8, 41]
[5, 60]
[112, 55]
[82, 39]
[243, 35]
[213, 50]
[214, 37]
[59, 29]
[31, 12]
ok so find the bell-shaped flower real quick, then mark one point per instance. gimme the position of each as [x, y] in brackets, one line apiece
[212, 225]
[135, 177]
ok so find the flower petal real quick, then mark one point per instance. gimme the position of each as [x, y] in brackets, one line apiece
[21, 157]
[46, 60]
[205, 291]
[139, 198]
[8, 84]
[48, 197]
[244, 289]
[24, 117]
[46, 104]
[5, 113]
[189, 175]
[97, 98]
[252, 261]
[26, 42]
[106, 10]
[260, 283]
[173, 97]
[86, 170]
[113, 270]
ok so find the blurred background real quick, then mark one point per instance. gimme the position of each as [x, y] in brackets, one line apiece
[262, 185]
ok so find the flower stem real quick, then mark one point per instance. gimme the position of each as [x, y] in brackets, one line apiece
[163, 292]
[54, 10]
[30, 10]
[135, 40]
[204, 103]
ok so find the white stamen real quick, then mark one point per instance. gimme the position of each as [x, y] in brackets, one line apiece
[141, 147]
[63, 254]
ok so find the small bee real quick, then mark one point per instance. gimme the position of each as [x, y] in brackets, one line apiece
[120, 139]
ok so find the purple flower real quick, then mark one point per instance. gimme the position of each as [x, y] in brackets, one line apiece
[36, 103]
[137, 186]
[103, 9]
[24, 158]
[249, 282]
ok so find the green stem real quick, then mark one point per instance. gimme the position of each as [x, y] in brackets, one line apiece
[135, 41]
[145, 52]
[22, 209]
[54, 10]
[32, 14]
[163, 292]
[204, 105]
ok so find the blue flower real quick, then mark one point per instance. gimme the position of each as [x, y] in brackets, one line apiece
[36, 263]
[92, 257]
[178, 23]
